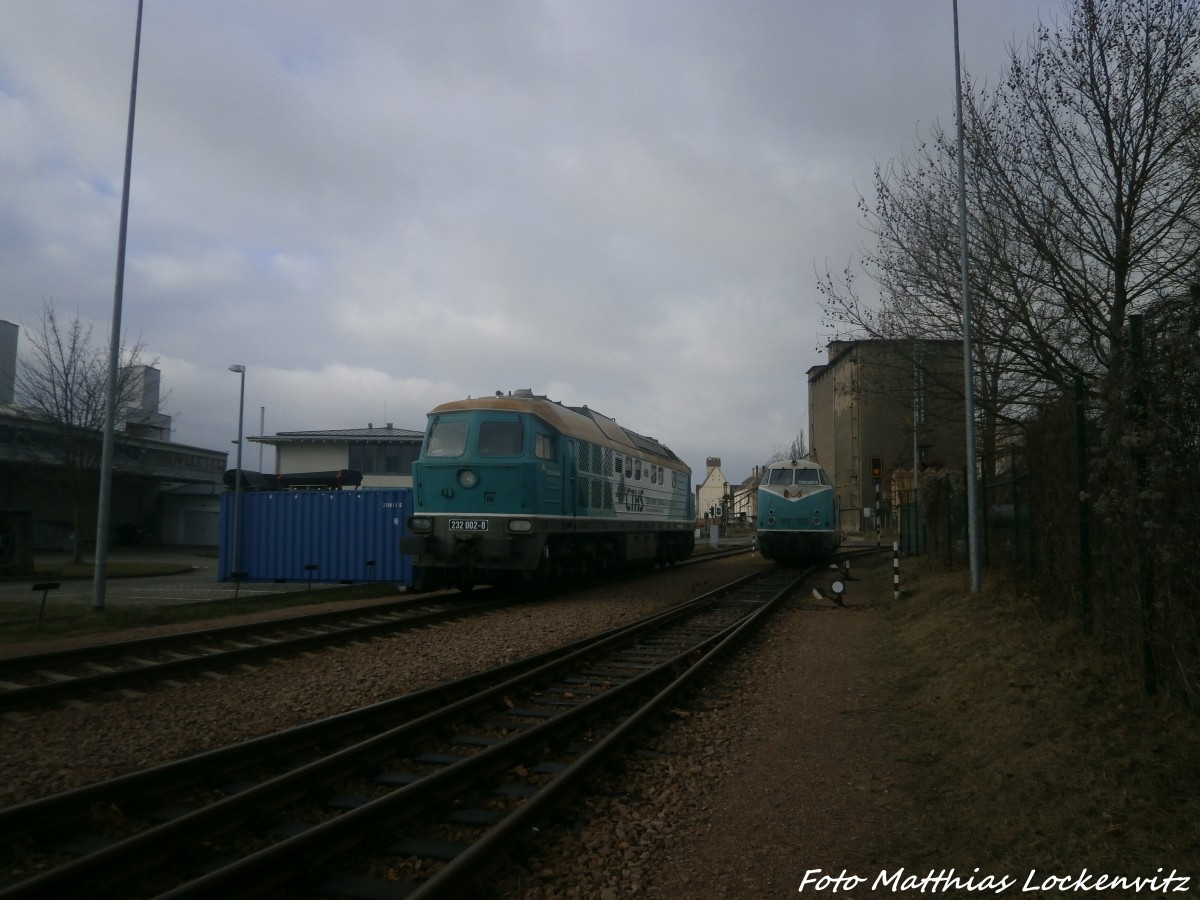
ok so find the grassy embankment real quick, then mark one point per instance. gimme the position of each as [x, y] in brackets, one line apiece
[1031, 746]
[19, 619]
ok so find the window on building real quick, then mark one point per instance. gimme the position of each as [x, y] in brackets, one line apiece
[383, 458]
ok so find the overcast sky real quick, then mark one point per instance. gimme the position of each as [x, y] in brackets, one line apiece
[380, 206]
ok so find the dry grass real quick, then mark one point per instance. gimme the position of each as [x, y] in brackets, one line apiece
[67, 570]
[1030, 747]
[19, 623]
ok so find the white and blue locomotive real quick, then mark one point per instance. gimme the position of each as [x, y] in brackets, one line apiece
[798, 514]
[518, 487]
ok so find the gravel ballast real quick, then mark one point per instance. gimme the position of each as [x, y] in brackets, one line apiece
[47, 751]
[778, 766]
[737, 793]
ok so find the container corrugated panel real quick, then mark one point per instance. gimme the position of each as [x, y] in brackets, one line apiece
[345, 536]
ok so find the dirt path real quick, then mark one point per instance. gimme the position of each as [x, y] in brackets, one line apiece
[816, 782]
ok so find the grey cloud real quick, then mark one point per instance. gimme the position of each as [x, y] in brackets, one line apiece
[376, 205]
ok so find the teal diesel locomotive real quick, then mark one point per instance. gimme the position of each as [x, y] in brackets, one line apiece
[798, 515]
[520, 488]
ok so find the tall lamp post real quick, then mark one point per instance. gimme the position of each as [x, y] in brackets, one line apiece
[973, 535]
[108, 439]
[237, 474]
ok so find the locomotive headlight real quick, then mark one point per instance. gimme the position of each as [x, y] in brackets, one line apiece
[467, 478]
[420, 524]
[520, 525]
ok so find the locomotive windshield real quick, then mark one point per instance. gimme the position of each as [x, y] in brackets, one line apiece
[802, 476]
[446, 440]
[501, 439]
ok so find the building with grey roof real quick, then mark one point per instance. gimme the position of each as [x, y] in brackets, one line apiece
[384, 455]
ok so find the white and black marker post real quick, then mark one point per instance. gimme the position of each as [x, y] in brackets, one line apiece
[895, 570]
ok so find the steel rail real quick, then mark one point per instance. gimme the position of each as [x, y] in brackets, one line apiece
[94, 874]
[206, 655]
[58, 810]
[208, 658]
[481, 857]
[84, 653]
[275, 865]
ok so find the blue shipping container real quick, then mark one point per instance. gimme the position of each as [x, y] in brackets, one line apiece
[344, 536]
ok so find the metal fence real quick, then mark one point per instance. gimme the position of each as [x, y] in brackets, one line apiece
[1096, 497]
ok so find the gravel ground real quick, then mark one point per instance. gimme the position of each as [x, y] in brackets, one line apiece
[50, 751]
[777, 767]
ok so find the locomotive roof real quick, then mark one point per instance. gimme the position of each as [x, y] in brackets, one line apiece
[577, 421]
[794, 464]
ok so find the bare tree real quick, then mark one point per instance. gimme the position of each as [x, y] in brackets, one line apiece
[1083, 198]
[797, 449]
[61, 383]
[1083, 178]
[1087, 155]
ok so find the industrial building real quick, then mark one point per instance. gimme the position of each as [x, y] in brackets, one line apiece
[162, 492]
[874, 408]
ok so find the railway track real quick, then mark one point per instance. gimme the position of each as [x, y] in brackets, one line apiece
[52, 677]
[96, 669]
[416, 797]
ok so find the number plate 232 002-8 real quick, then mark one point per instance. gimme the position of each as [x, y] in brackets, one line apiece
[468, 525]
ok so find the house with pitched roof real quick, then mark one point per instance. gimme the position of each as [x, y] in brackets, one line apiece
[711, 493]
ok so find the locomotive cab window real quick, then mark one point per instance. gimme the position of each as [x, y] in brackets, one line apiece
[637, 470]
[543, 446]
[501, 439]
[806, 476]
[446, 440]
[781, 476]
